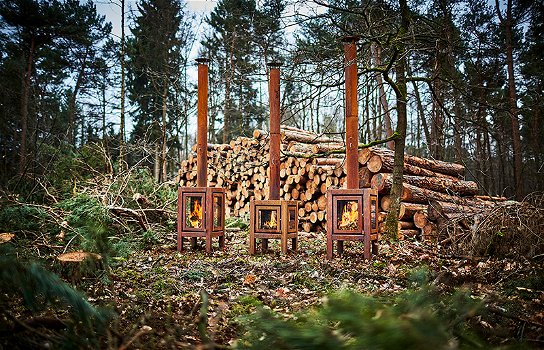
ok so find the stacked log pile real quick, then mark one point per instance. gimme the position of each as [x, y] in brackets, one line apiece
[311, 164]
[241, 167]
[429, 187]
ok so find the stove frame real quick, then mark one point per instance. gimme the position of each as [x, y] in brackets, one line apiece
[208, 229]
[367, 221]
[286, 228]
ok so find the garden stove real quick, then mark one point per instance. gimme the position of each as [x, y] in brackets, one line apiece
[273, 218]
[352, 212]
[201, 209]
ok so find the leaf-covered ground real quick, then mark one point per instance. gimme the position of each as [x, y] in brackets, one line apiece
[159, 293]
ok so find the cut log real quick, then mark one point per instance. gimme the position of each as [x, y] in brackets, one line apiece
[429, 231]
[412, 233]
[383, 164]
[405, 225]
[437, 166]
[327, 147]
[444, 210]
[385, 205]
[383, 182]
[291, 134]
[421, 219]
[364, 155]
[365, 177]
[415, 194]
[313, 217]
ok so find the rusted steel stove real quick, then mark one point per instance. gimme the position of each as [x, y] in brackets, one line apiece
[352, 212]
[201, 209]
[273, 218]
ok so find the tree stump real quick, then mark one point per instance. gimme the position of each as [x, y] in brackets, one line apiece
[75, 265]
[6, 237]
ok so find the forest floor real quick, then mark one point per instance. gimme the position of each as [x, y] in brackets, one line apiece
[163, 289]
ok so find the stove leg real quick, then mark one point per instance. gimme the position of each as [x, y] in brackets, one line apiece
[340, 247]
[329, 246]
[374, 247]
[180, 242]
[208, 243]
[252, 244]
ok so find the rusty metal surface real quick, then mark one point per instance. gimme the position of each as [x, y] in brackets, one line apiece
[206, 229]
[202, 123]
[352, 120]
[274, 98]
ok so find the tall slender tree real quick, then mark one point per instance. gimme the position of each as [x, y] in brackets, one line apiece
[507, 23]
[231, 45]
[153, 70]
[41, 34]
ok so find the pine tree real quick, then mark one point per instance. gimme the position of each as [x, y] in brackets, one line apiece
[153, 69]
[231, 48]
[46, 39]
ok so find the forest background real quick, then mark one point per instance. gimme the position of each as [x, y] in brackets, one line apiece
[473, 81]
[94, 125]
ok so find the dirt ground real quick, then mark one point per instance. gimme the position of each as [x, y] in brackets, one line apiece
[158, 293]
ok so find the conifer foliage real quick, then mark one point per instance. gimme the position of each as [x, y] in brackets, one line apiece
[418, 318]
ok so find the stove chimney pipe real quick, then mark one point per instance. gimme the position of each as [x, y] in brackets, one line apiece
[352, 119]
[274, 100]
[202, 124]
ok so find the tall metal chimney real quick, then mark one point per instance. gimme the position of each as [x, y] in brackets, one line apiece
[352, 118]
[202, 124]
[274, 100]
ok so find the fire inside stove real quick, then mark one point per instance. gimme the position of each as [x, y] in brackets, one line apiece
[348, 218]
[194, 212]
[268, 219]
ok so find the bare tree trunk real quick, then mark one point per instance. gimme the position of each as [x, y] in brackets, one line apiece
[536, 117]
[107, 164]
[73, 99]
[391, 224]
[436, 142]
[227, 108]
[25, 96]
[376, 54]
[421, 114]
[122, 157]
[164, 147]
[507, 23]
[318, 129]
[157, 163]
[458, 128]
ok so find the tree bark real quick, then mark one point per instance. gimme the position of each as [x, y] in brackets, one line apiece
[122, 152]
[25, 96]
[437, 166]
[73, 99]
[507, 24]
[383, 182]
[376, 54]
[401, 94]
[164, 146]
